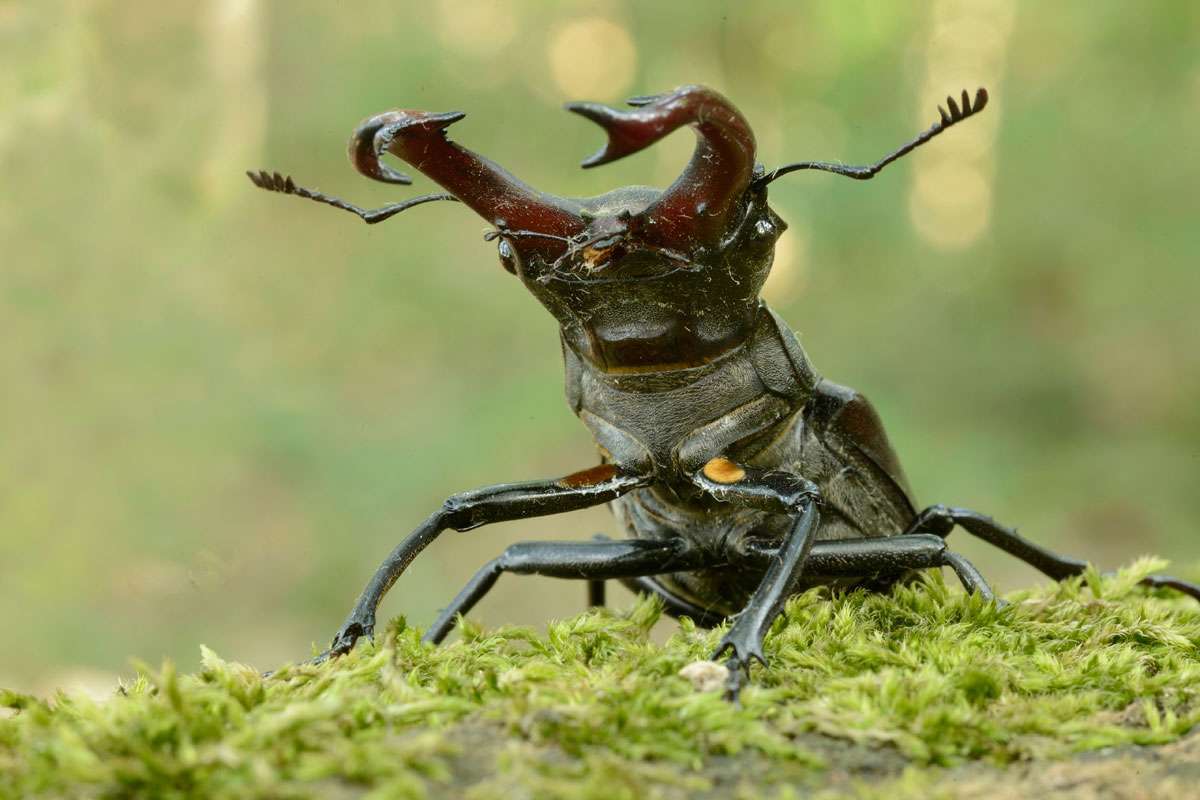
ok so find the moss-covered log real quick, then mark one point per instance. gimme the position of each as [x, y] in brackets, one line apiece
[923, 692]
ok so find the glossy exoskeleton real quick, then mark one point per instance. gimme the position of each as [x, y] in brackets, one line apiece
[739, 474]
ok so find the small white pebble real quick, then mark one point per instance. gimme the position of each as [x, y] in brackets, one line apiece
[706, 676]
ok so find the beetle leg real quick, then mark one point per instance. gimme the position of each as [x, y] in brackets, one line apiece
[970, 577]
[597, 593]
[470, 510]
[581, 560]
[596, 588]
[780, 492]
[941, 520]
[885, 557]
[675, 605]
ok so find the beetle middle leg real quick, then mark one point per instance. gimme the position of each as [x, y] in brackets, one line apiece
[884, 558]
[469, 510]
[592, 561]
[941, 520]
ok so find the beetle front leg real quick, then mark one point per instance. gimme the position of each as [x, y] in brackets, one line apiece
[781, 492]
[469, 510]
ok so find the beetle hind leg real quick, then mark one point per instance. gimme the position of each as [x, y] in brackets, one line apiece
[971, 579]
[941, 520]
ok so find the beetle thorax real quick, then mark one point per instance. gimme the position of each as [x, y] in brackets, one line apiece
[627, 303]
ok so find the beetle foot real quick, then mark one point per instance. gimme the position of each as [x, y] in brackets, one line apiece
[344, 640]
[745, 647]
[738, 664]
[739, 676]
[348, 635]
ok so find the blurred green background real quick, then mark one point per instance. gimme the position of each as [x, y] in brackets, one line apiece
[220, 408]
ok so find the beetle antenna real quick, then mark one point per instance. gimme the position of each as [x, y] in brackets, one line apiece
[955, 115]
[274, 182]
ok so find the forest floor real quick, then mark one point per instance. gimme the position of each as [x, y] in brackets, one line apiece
[1086, 689]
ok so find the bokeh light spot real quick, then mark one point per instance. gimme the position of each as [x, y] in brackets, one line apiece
[789, 273]
[951, 199]
[478, 28]
[592, 57]
[951, 204]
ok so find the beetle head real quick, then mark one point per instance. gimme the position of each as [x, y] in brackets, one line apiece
[628, 234]
[714, 215]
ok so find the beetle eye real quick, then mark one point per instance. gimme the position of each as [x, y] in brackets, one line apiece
[508, 257]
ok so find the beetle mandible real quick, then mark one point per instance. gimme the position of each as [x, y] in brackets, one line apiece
[739, 473]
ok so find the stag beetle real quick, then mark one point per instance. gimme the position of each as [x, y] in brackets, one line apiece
[739, 473]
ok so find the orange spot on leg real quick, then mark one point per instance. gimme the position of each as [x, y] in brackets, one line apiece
[589, 477]
[722, 470]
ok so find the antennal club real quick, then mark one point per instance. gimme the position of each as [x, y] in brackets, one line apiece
[947, 119]
[274, 182]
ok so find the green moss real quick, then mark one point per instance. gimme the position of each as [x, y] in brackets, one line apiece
[921, 677]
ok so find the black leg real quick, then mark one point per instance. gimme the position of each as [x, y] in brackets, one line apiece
[772, 491]
[675, 605]
[596, 594]
[596, 589]
[885, 557]
[972, 581]
[941, 520]
[592, 561]
[469, 510]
